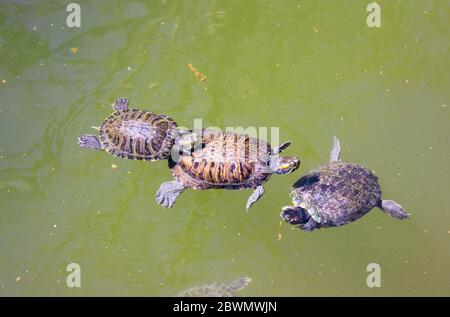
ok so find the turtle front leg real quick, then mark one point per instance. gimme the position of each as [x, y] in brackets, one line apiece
[121, 104]
[281, 148]
[168, 193]
[257, 193]
[90, 141]
[310, 225]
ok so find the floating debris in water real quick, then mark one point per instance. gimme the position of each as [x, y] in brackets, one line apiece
[113, 166]
[443, 106]
[196, 72]
[18, 279]
[280, 236]
[74, 50]
[3, 81]
[95, 128]
[316, 30]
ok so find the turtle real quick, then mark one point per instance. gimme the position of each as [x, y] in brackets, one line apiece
[216, 289]
[228, 160]
[136, 134]
[336, 193]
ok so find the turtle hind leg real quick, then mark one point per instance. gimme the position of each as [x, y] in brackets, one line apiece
[90, 141]
[168, 193]
[335, 150]
[392, 208]
[121, 104]
[257, 193]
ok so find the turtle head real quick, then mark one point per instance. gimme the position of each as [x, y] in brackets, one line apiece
[295, 215]
[284, 164]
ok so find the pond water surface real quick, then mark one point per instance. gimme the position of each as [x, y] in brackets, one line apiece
[311, 68]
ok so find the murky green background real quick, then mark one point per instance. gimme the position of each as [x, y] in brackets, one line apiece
[312, 68]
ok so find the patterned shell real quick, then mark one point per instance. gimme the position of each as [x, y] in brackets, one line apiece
[215, 289]
[229, 160]
[138, 134]
[340, 192]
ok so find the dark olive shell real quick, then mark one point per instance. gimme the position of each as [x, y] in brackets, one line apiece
[229, 160]
[339, 192]
[138, 134]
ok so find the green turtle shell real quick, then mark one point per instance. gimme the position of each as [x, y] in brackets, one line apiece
[216, 289]
[228, 160]
[337, 193]
[138, 134]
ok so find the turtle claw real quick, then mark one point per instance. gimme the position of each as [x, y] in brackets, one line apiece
[168, 193]
[121, 104]
[165, 200]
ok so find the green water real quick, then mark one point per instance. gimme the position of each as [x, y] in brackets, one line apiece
[311, 68]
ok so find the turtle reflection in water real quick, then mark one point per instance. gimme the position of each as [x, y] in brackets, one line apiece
[216, 289]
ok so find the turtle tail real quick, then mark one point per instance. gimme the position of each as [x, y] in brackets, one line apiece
[394, 209]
